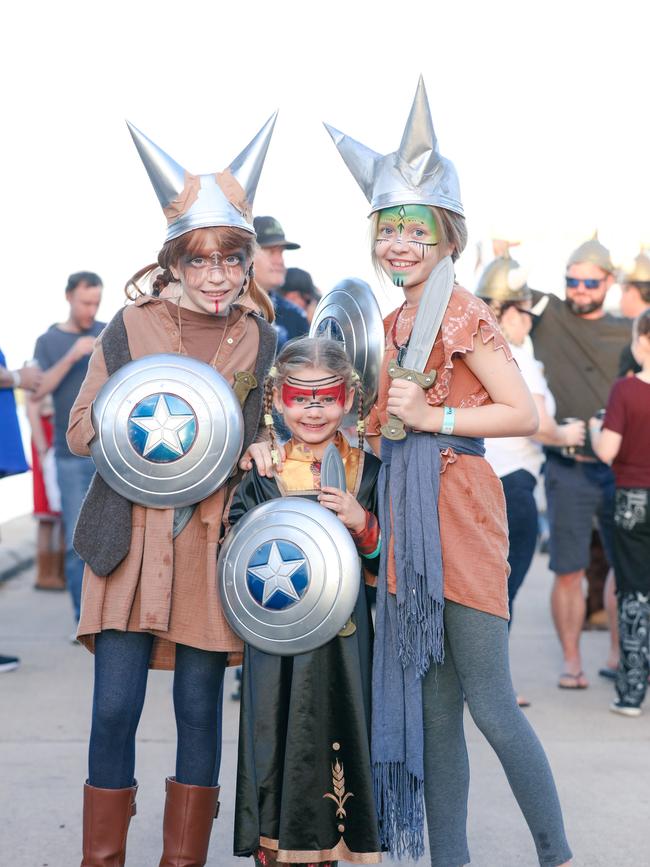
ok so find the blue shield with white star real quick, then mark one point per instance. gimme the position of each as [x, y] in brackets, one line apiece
[277, 575]
[162, 427]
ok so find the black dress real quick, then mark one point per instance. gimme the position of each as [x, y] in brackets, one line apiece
[304, 781]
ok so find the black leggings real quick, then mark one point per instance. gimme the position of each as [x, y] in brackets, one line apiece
[121, 669]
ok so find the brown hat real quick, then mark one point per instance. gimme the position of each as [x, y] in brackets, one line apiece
[271, 234]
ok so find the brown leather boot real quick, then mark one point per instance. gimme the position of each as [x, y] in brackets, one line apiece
[49, 571]
[189, 813]
[107, 813]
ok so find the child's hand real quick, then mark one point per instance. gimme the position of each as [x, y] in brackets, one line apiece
[346, 507]
[260, 454]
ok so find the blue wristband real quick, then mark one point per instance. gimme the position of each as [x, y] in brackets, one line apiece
[448, 420]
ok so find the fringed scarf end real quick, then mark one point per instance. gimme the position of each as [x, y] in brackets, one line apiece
[399, 797]
[420, 628]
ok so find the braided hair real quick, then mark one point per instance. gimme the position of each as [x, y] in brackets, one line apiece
[311, 352]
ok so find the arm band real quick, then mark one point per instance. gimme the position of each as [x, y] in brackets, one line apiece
[448, 420]
[368, 541]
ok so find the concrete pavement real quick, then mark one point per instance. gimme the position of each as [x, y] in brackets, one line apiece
[601, 761]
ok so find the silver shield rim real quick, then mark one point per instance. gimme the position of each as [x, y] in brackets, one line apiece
[333, 586]
[352, 305]
[209, 460]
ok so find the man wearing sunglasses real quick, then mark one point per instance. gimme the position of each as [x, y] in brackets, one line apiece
[579, 345]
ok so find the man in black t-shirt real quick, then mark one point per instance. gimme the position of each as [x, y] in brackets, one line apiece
[62, 354]
[579, 345]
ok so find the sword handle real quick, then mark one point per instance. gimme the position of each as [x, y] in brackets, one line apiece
[394, 427]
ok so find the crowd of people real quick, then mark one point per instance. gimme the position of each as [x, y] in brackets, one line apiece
[518, 390]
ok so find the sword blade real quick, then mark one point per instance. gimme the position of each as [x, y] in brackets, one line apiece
[332, 469]
[431, 309]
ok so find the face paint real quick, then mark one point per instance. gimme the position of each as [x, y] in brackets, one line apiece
[211, 282]
[414, 225]
[319, 393]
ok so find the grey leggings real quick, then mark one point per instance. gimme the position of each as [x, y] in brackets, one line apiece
[476, 666]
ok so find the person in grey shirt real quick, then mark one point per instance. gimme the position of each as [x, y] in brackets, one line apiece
[62, 354]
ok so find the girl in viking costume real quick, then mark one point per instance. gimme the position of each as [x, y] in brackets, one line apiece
[304, 783]
[149, 594]
[442, 604]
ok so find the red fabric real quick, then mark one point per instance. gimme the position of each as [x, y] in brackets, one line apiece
[41, 503]
[368, 539]
[628, 414]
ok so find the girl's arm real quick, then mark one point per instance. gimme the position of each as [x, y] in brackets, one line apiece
[550, 433]
[512, 412]
[605, 442]
[33, 408]
[80, 427]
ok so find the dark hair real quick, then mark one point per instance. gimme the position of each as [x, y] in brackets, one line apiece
[642, 324]
[643, 287]
[87, 277]
[199, 242]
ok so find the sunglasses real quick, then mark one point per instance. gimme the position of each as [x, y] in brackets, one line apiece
[574, 282]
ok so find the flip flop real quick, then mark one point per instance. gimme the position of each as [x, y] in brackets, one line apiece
[522, 702]
[608, 673]
[572, 681]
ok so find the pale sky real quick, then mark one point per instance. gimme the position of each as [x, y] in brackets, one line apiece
[541, 106]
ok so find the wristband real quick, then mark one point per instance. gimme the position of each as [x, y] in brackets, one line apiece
[15, 374]
[448, 420]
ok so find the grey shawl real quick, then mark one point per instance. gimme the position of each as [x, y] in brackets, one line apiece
[409, 632]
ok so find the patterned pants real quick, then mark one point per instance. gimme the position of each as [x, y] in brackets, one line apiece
[634, 630]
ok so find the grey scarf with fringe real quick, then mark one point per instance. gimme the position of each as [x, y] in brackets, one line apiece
[409, 632]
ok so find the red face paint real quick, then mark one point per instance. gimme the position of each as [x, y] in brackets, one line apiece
[295, 396]
[216, 307]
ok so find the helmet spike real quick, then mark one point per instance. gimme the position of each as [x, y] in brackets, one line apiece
[247, 166]
[166, 175]
[358, 158]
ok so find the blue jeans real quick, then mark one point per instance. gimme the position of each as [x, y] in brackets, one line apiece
[74, 476]
[121, 669]
[521, 510]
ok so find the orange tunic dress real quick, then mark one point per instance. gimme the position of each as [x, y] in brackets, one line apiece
[164, 586]
[471, 505]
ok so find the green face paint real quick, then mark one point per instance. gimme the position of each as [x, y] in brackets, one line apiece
[414, 225]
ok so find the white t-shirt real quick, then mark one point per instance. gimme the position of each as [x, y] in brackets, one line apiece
[507, 454]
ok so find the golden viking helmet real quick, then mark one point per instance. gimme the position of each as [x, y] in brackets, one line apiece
[592, 251]
[503, 280]
[639, 272]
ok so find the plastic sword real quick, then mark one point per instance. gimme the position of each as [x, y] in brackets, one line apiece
[433, 303]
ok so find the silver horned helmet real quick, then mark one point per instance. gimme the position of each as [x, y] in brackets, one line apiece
[200, 201]
[416, 174]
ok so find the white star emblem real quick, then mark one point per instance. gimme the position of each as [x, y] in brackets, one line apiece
[276, 574]
[162, 427]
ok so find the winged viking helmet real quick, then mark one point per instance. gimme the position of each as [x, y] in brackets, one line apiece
[198, 201]
[416, 174]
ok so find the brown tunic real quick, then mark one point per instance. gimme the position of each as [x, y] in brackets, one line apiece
[163, 586]
[471, 506]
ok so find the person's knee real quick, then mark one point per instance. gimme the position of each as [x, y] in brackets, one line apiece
[570, 580]
[112, 714]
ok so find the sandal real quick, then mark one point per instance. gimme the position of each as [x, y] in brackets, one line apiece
[572, 681]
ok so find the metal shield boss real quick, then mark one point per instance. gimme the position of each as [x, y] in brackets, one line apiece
[289, 576]
[169, 431]
[350, 313]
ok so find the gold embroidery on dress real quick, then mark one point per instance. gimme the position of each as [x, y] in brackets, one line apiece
[340, 796]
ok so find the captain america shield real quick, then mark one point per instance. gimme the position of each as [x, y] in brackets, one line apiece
[289, 576]
[169, 431]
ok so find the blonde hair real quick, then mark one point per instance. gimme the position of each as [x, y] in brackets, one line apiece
[204, 241]
[451, 228]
